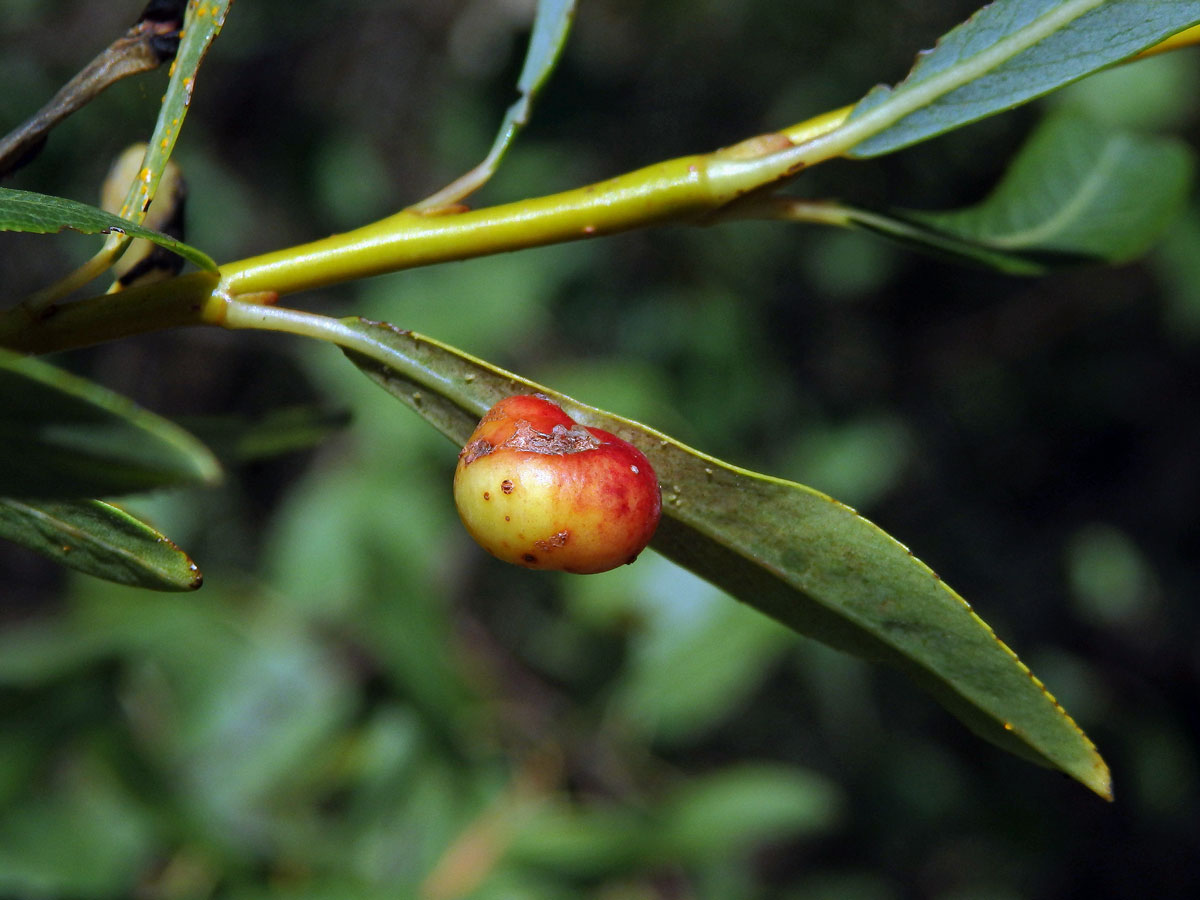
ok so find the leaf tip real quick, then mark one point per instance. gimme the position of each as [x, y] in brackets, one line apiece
[1098, 778]
[197, 579]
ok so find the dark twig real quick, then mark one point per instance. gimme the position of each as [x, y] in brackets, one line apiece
[150, 42]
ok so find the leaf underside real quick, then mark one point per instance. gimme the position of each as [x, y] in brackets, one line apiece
[1010, 52]
[784, 549]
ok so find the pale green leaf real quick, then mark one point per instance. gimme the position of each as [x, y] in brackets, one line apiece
[787, 550]
[101, 540]
[62, 436]
[1008, 53]
[551, 25]
[44, 214]
[550, 28]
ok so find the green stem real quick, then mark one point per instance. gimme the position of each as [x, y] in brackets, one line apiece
[688, 189]
[676, 190]
[100, 263]
[239, 315]
[188, 300]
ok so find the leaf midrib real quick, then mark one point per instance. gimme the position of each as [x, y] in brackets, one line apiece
[906, 100]
[1040, 234]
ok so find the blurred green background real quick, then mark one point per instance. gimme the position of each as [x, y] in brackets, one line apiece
[360, 704]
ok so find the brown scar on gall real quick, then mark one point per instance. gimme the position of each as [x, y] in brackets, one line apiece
[559, 441]
[553, 542]
[475, 450]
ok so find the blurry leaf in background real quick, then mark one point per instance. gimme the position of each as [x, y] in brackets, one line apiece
[848, 264]
[585, 840]
[350, 182]
[365, 554]
[1178, 264]
[496, 305]
[858, 461]
[744, 805]
[233, 712]
[240, 438]
[42, 652]
[711, 824]
[260, 714]
[65, 436]
[85, 837]
[1077, 192]
[361, 541]
[694, 656]
[101, 540]
[844, 884]
[1111, 582]
[1149, 95]
[1079, 189]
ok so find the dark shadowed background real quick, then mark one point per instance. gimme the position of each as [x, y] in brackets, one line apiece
[360, 702]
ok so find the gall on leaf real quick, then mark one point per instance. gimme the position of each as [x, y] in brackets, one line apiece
[537, 489]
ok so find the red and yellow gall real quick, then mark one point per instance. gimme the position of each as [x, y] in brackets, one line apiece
[537, 489]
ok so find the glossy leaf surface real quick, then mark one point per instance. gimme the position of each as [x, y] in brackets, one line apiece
[62, 436]
[1008, 53]
[101, 540]
[787, 550]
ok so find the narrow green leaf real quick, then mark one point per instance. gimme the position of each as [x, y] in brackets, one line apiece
[1008, 53]
[62, 436]
[101, 540]
[897, 227]
[201, 24]
[787, 550]
[44, 214]
[551, 25]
